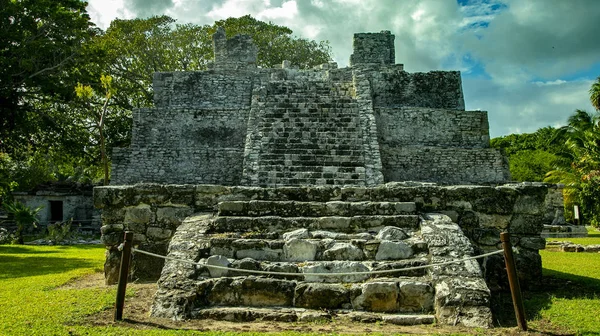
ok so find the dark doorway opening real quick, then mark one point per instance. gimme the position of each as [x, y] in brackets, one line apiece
[56, 211]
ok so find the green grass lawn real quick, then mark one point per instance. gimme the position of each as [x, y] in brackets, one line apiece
[593, 238]
[32, 302]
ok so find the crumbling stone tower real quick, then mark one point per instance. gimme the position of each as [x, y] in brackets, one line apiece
[367, 124]
[312, 172]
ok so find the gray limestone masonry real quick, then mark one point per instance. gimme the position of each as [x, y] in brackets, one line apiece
[372, 122]
[309, 171]
[319, 228]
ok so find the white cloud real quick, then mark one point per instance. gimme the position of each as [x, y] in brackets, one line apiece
[102, 12]
[526, 107]
[288, 10]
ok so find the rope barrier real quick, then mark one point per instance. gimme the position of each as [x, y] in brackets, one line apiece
[315, 274]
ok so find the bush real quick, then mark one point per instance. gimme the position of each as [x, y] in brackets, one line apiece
[59, 232]
[5, 236]
[23, 216]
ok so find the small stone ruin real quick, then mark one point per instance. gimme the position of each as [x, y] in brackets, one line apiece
[350, 170]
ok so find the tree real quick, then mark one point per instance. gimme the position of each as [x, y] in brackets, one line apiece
[276, 43]
[23, 216]
[40, 46]
[98, 115]
[532, 155]
[137, 48]
[595, 94]
[582, 175]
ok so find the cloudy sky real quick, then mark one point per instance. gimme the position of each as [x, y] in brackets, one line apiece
[528, 63]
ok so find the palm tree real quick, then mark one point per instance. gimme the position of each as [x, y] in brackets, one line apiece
[595, 94]
[23, 216]
[582, 140]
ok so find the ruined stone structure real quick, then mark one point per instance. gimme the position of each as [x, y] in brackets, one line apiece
[367, 124]
[304, 172]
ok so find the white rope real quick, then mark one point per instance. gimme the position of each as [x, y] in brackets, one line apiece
[316, 274]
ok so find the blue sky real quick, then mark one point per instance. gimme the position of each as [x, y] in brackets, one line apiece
[528, 63]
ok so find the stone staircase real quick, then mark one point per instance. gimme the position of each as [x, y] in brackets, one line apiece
[304, 133]
[300, 239]
[305, 240]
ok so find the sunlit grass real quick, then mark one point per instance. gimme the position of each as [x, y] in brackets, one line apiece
[593, 238]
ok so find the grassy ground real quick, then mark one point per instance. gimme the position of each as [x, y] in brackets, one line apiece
[36, 299]
[593, 238]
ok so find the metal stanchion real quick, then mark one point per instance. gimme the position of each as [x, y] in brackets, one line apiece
[513, 281]
[123, 275]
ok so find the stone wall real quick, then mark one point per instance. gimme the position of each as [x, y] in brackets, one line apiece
[444, 165]
[204, 89]
[195, 146]
[435, 89]
[373, 48]
[432, 127]
[153, 212]
[236, 52]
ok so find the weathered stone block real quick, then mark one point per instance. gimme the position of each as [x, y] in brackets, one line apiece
[299, 250]
[343, 251]
[391, 233]
[378, 297]
[172, 216]
[265, 292]
[389, 250]
[415, 296]
[526, 224]
[158, 234]
[321, 296]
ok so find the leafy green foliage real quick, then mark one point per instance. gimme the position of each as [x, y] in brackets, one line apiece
[532, 155]
[276, 43]
[41, 42]
[595, 94]
[60, 231]
[532, 165]
[98, 115]
[582, 175]
[23, 216]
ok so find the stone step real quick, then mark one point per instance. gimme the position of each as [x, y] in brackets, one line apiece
[399, 295]
[312, 157]
[352, 224]
[313, 129]
[325, 145]
[301, 270]
[321, 253]
[343, 115]
[293, 182]
[247, 314]
[323, 169]
[257, 208]
[352, 143]
[308, 175]
[306, 151]
[311, 163]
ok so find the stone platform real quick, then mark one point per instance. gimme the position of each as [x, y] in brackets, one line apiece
[304, 230]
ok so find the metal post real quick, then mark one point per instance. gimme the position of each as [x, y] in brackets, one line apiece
[123, 275]
[513, 281]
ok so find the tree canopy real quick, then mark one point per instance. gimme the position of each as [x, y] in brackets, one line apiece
[41, 43]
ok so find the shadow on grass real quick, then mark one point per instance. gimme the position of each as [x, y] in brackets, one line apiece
[21, 249]
[18, 267]
[554, 284]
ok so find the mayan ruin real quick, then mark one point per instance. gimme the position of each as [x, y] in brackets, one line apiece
[366, 170]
